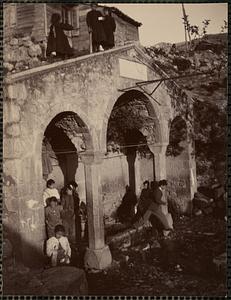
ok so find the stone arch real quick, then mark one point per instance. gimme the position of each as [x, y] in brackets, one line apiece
[178, 133]
[153, 111]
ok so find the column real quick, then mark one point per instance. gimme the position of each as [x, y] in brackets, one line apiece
[97, 255]
[159, 151]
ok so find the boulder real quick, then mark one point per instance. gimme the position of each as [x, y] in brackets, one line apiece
[14, 42]
[34, 62]
[8, 67]
[34, 50]
[65, 280]
[21, 54]
[26, 41]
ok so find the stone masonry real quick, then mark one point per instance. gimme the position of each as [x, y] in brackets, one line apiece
[88, 86]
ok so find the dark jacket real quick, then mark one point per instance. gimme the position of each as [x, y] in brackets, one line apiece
[58, 41]
[98, 35]
[109, 26]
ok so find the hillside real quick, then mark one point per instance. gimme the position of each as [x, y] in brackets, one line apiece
[205, 80]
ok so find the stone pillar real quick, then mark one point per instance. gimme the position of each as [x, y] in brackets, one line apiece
[97, 255]
[159, 151]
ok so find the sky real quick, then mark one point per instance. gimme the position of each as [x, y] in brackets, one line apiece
[162, 22]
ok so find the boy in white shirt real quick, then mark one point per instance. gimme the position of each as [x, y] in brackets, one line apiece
[58, 247]
[50, 191]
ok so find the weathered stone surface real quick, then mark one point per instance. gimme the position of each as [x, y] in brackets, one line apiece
[34, 62]
[14, 42]
[22, 54]
[27, 41]
[65, 281]
[17, 92]
[34, 50]
[11, 113]
[13, 130]
[9, 67]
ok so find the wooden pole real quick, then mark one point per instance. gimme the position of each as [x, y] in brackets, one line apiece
[185, 28]
[90, 41]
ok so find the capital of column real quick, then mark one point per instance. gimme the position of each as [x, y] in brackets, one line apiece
[92, 157]
[159, 148]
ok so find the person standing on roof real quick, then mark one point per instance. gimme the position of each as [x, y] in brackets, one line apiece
[95, 27]
[109, 26]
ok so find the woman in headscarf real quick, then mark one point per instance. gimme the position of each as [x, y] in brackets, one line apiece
[58, 44]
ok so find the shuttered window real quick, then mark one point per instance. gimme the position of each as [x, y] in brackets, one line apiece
[9, 15]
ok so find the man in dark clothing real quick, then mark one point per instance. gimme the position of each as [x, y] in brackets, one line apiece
[95, 27]
[68, 213]
[144, 198]
[126, 210]
[57, 44]
[109, 26]
[74, 186]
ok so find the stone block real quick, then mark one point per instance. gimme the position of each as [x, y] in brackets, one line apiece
[17, 92]
[34, 51]
[22, 54]
[11, 112]
[13, 148]
[9, 67]
[13, 130]
[14, 42]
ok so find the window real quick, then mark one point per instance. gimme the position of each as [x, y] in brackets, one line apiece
[71, 16]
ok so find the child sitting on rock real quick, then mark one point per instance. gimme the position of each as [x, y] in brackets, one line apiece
[58, 248]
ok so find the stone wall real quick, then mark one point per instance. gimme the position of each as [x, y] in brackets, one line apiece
[88, 86]
[22, 53]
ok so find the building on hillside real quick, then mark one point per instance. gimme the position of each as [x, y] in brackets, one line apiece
[70, 103]
[32, 19]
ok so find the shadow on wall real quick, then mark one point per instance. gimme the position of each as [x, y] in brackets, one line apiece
[37, 259]
[65, 151]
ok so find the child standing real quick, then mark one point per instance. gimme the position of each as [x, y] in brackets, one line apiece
[52, 215]
[50, 191]
[58, 247]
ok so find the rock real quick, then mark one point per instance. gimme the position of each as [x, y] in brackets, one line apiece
[19, 66]
[34, 62]
[10, 55]
[22, 54]
[14, 42]
[34, 50]
[26, 41]
[170, 284]
[9, 67]
[65, 281]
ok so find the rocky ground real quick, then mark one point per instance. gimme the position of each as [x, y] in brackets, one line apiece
[181, 266]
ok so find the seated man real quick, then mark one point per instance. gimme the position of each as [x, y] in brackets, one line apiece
[58, 247]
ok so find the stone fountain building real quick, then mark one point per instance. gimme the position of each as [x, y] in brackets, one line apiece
[70, 102]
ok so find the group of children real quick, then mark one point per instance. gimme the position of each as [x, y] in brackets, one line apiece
[63, 216]
[101, 28]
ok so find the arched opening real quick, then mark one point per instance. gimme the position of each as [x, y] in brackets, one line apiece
[132, 129]
[65, 138]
